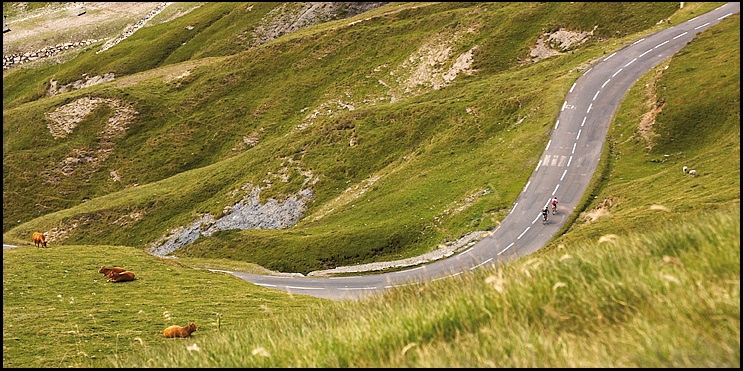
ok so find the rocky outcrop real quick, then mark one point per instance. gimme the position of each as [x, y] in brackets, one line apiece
[248, 213]
[14, 60]
[556, 43]
[79, 84]
[289, 17]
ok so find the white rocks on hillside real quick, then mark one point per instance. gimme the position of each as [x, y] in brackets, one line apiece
[248, 213]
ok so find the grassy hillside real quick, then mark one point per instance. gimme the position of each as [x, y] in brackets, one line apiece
[665, 298]
[58, 310]
[669, 298]
[653, 282]
[278, 117]
[647, 276]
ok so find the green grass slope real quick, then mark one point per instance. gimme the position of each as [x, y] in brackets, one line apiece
[426, 151]
[668, 298]
[654, 282]
[58, 310]
[648, 276]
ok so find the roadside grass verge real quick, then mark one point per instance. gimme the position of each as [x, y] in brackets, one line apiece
[58, 310]
[664, 298]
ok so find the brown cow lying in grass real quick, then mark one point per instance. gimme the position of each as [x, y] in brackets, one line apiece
[121, 276]
[39, 239]
[109, 271]
[176, 331]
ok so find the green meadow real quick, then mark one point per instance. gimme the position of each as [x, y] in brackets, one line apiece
[58, 311]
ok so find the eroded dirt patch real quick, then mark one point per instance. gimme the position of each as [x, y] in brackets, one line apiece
[63, 120]
[433, 66]
[655, 107]
[645, 127]
[556, 43]
[85, 82]
[601, 210]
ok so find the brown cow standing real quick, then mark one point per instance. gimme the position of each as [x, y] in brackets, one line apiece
[108, 272]
[39, 239]
[119, 277]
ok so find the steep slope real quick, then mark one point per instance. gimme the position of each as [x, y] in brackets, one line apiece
[652, 282]
[420, 107]
[649, 276]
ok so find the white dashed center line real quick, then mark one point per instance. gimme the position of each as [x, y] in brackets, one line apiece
[522, 233]
[507, 247]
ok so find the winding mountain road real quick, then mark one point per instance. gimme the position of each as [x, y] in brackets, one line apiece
[564, 171]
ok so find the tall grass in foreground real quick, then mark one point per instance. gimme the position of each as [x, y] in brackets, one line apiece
[668, 298]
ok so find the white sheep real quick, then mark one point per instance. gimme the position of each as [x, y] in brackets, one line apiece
[686, 169]
[692, 172]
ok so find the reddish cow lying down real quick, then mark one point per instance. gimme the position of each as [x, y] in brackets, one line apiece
[119, 277]
[109, 271]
